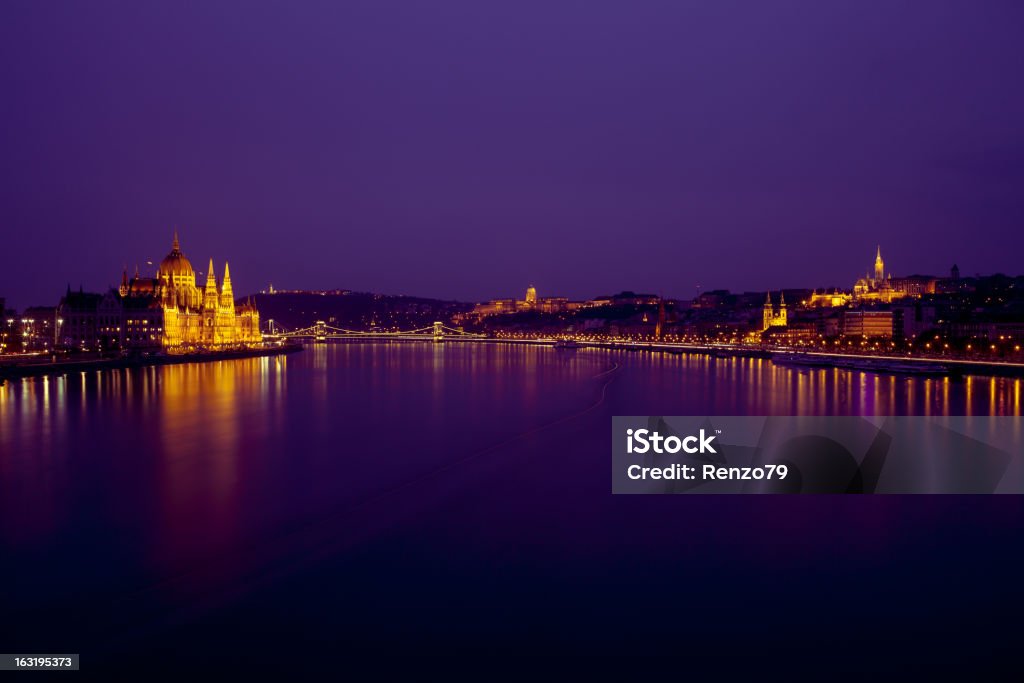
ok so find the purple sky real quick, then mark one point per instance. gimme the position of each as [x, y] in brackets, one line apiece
[460, 149]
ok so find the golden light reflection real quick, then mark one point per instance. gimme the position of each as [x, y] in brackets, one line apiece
[969, 395]
[200, 408]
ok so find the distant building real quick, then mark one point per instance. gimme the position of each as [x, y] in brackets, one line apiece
[836, 299]
[78, 325]
[634, 299]
[553, 304]
[769, 317]
[712, 299]
[793, 333]
[989, 330]
[882, 287]
[913, 285]
[495, 307]
[8, 330]
[37, 328]
[870, 324]
[830, 326]
[550, 304]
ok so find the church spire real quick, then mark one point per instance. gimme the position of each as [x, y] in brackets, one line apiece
[175, 245]
[210, 296]
[227, 296]
[211, 279]
[782, 298]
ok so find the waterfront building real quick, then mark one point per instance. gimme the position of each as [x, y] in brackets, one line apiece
[769, 317]
[78, 324]
[870, 324]
[6, 327]
[793, 333]
[36, 329]
[173, 308]
[167, 311]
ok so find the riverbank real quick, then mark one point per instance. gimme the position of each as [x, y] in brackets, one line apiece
[63, 366]
[899, 365]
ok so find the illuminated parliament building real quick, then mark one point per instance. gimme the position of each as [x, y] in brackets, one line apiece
[182, 314]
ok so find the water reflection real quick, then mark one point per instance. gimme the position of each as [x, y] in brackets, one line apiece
[216, 468]
[198, 456]
[744, 386]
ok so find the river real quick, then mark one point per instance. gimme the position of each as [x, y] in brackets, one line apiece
[385, 501]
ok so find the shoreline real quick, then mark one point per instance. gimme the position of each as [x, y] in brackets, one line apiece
[797, 360]
[805, 360]
[63, 367]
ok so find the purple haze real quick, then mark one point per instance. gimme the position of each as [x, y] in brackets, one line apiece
[463, 150]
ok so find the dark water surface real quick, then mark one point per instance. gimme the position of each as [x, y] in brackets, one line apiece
[377, 509]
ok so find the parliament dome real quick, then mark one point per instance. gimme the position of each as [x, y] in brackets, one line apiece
[175, 262]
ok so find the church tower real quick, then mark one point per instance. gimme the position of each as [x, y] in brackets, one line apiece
[227, 297]
[225, 332]
[769, 317]
[879, 265]
[210, 295]
[210, 301]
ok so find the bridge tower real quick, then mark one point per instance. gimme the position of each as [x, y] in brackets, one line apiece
[438, 331]
[320, 331]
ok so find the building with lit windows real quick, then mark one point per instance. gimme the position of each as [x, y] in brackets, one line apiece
[168, 311]
[173, 309]
[37, 328]
[835, 299]
[869, 324]
[883, 287]
[769, 318]
[551, 304]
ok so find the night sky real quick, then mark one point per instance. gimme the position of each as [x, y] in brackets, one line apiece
[464, 149]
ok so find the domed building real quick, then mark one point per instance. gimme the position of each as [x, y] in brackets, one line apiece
[191, 317]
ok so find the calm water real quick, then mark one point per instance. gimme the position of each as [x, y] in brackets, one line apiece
[387, 501]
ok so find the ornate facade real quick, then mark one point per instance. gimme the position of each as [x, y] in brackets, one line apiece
[193, 317]
[875, 286]
[772, 319]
